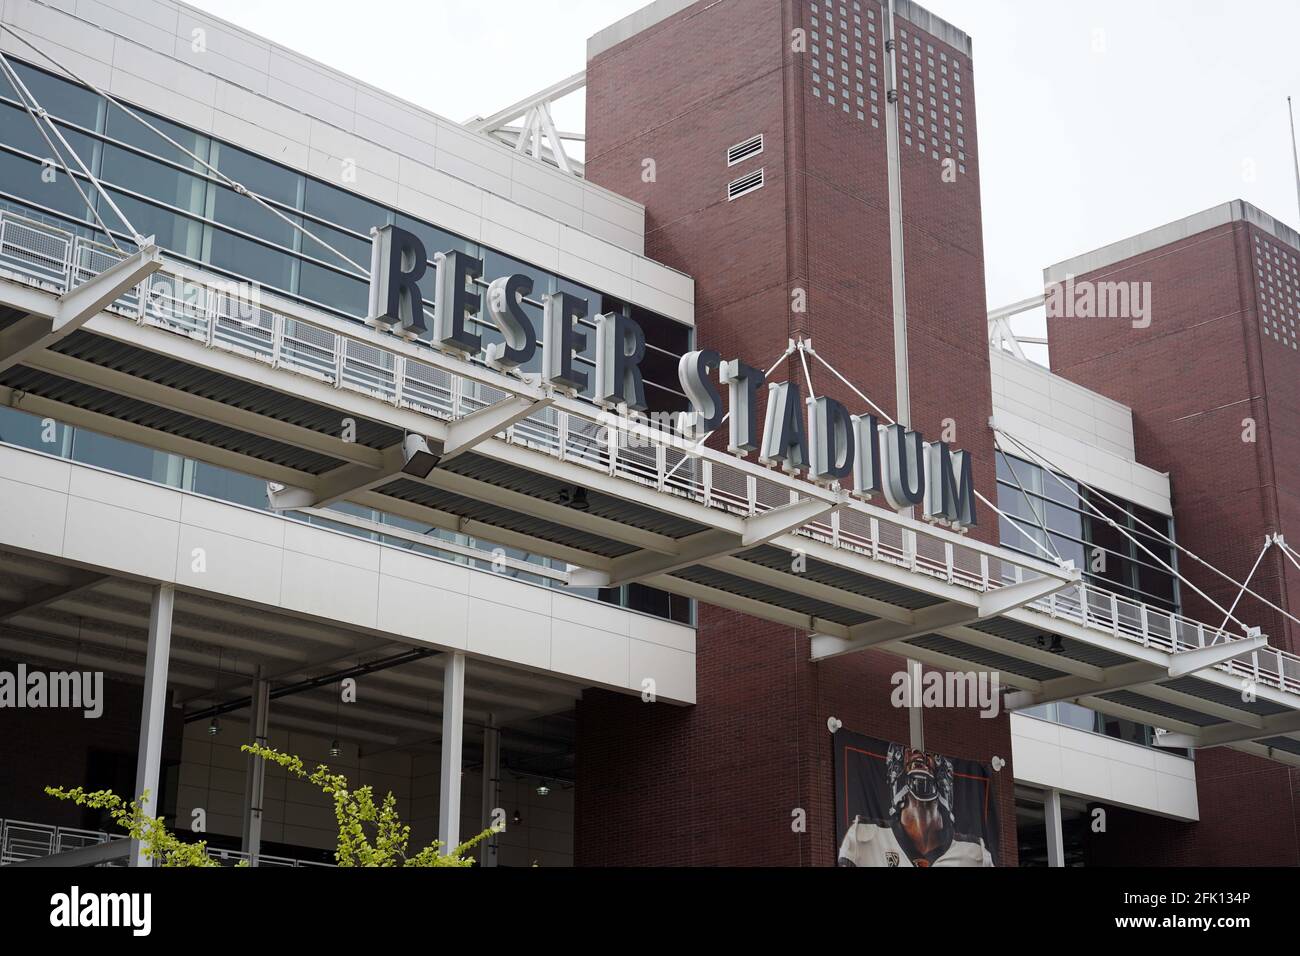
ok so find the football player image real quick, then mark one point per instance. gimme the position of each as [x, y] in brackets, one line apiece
[919, 831]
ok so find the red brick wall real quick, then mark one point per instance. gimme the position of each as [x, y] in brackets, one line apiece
[51, 748]
[1191, 378]
[717, 783]
[1250, 815]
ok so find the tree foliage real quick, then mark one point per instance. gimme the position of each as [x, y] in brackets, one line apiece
[157, 842]
[370, 833]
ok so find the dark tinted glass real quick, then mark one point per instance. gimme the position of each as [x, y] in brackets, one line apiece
[251, 260]
[29, 431]
[23, 178]
[229, 485]
[264, 178]
[343, 208]
[155, 180]
[177, 234]
[334, 290]
[120, 456]
[18, 130]
[358, 250]
[61, 98]
[435, 239]
[246, 215]
[125, 128]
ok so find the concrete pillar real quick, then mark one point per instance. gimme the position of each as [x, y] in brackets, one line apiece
[153, 711]
[1055, 835]
[453, 735]
[491, 787]
[255, 779]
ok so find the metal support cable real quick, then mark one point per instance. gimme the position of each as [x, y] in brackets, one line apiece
[857, 391]
[236, 186]
[807, 377]
[1237, 600]
[1042, 523]
[1051, 468]
[23, 93]
[1164, 537]
[700, 443]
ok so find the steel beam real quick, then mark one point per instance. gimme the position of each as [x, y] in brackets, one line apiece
[153, 712]
[1055, 832]
[255, 779]
[76, 307]
[934, 618]
[453, 738]
[491, 788]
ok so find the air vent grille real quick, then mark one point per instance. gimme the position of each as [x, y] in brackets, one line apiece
[745, 184]
[743, 151]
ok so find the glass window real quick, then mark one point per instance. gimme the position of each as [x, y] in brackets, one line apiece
[125, 128]
[23, 178]
[18, 130]
[28, 431]
[343, 208]
[334, 290]
[435, 239]
[61, 98]
[240, 212]
[178, 234]
[125, 457]
[264, 178]
[229, 485]
[250, 260]
[358, 250]
[1072, 715]
[155, 180]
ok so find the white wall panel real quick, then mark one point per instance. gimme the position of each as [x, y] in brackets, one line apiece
[1103, 769]
[273, 102]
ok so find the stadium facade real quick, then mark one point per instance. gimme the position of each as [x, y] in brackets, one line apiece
[484, 474]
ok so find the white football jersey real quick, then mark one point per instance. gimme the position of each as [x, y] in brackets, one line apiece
[867, 844]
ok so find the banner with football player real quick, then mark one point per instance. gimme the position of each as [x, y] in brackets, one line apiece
[895, 806]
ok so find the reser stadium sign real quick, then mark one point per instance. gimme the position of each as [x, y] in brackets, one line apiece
[818, 437]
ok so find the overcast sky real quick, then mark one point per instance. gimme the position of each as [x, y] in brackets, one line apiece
[1096, 119]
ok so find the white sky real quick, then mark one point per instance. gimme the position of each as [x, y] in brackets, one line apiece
[1096, 120]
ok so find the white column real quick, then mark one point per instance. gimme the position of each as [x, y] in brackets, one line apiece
[491, 787]
[915, 713]
[1055, 836]
[255, 779]
[153, 711]
[453, 734]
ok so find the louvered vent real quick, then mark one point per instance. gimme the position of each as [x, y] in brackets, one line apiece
[743, 151]
[745, 184]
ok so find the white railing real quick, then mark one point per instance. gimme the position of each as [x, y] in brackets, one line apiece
[21, 841]
[222, 314]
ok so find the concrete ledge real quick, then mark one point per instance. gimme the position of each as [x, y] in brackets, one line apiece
[1238, 210]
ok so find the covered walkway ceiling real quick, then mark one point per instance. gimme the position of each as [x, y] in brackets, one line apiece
[68, 618]
[267, 389]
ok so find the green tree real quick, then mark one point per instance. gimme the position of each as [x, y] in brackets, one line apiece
[370, 833]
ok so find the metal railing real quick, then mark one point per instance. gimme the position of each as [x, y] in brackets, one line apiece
[228, 315]
[21, 841]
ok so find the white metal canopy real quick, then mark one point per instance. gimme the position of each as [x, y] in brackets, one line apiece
[178, 362]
